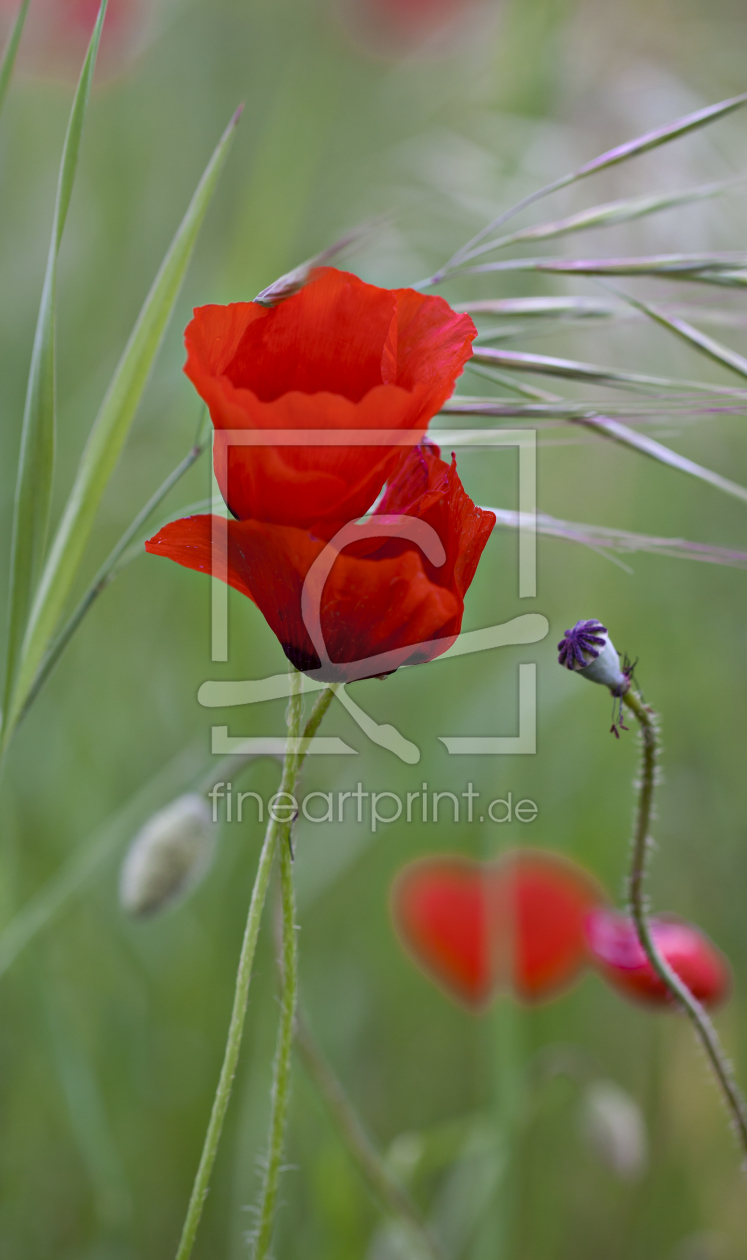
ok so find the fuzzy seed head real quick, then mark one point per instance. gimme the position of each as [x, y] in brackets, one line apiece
[168, 856]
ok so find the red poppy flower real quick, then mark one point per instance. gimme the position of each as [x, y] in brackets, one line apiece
[57, 33]
[396, 27]
[615, 948]
[478, 927]
[337, 355]
[387, 601]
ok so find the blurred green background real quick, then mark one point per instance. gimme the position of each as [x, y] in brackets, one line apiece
[111, 1033]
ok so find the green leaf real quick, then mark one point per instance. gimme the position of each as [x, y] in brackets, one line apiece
[603, 216]
[36, 460]
[11, 49]
[612, 157]
[110, 429]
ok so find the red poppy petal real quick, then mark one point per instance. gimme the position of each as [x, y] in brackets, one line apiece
[337, 354]
[368, 607]
[614, 946]
[428, 488]
[478, 927]
[305, 484]
[439, 909]
[434, 343]
[190, 542]
[330, 336]
[550, 898]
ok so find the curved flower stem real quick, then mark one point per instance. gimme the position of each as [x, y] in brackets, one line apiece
[387, 1190]
[704, 1029]
[277, 835]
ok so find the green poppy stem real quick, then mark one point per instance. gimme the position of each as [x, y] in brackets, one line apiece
[388, 1191]
[277, 838]
[281, 1072]
[704, 1029]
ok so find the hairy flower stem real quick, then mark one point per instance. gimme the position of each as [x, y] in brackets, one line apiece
[704, 1029]
[385, 1187]
[277, 837]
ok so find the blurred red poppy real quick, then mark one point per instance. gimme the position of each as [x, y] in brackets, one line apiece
[395, 28]
[57, 33]
[345, 358]
[614, 947]
[339, 355]
[383, 604]
[478, 927]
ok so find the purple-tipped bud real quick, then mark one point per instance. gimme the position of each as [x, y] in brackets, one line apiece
[588, 650]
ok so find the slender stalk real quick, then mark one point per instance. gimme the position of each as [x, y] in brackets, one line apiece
[386, 1189]
[11, 49]
[704, 1029]
[106, 574]
[277, 835]
[281, 1072]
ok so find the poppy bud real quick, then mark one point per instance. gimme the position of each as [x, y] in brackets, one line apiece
[588, 650]
[617, 952]
[612, 1124]
[168, 856]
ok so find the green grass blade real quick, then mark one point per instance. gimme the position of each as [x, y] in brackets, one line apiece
[622, 540]
[88, 859]
[11, 51]
[36, 459]
[549, 407]
[607, 215]
[728, 279]
[541, 308]
[612, 157]
[624, 436]
[605, 426]
[110, 429]
[700, 341]
[292, 281]
[571, 369]
[546, 313]
[112, 566]
[688, 267]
